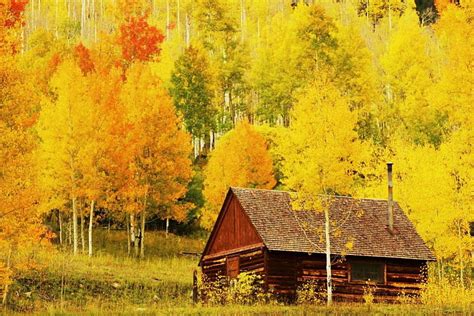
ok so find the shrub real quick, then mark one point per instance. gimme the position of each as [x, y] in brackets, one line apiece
[246, 289]
[311, 292]
[369, 290]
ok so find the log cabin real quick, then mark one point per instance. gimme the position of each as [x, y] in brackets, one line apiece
[258, 231]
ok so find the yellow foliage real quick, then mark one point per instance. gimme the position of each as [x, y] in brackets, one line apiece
[321, 151]
[159, 149]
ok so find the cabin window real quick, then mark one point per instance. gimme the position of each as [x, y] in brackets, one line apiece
[233, 267]
[367, 271]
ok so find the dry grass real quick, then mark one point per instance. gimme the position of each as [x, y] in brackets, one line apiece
[112, 283]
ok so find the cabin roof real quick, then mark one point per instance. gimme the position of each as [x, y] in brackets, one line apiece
[360, 222]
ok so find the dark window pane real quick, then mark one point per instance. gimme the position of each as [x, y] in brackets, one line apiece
[367, 272]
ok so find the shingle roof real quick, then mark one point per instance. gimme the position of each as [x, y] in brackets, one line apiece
[362, 222]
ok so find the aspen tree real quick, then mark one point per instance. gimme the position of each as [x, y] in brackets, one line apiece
[322, 154]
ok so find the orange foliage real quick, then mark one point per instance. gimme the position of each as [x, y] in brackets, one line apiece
[11, 17]
[241, 158]
[17, 7]
[139, 40]
[84, 59]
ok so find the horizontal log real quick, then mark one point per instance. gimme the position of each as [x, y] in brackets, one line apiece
[403, 269]
[250, 259]
[340, 273]
[252, 262]
[213, 261]
[406, 278]
[254, 270]
[235, 251]
[252, 254]
[402, 285]
[307, 278]
[209, 266]
[213, 269]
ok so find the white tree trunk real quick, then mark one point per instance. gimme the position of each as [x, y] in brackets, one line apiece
[127, 220]
[83, 18]
[167, 226]
[178, 18]
[91, 219]
[188, 30]
[142, 235]
[242, 20]
[328, 255]
[133, 237]
[74, 225]
[60, 220]
[142, 229]
[83, 238]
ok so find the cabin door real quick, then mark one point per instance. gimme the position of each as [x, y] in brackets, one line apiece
[233, 267]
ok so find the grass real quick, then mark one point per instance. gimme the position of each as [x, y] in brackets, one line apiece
[112, 283]
[109, 279]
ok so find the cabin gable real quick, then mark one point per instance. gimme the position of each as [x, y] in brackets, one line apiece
[233, 229]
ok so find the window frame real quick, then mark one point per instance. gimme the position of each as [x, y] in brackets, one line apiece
[382, 267]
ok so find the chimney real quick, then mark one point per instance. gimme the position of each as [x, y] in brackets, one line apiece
[390, 196]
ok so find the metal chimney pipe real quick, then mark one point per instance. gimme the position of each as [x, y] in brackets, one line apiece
[390, 196]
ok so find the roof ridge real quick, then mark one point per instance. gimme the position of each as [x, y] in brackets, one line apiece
[336, 196]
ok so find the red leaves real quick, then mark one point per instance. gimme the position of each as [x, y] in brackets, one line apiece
[139, 40]
[84, 60]
[16, 9]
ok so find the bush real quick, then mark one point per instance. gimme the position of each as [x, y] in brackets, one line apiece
[311, 293]
[246, 289]
[369, 290]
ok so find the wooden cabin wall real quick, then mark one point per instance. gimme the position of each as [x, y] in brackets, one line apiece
[282, 272]
[251, 259]
[234, 229]
[286, 272]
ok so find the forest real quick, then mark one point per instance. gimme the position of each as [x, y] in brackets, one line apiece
[130, 119]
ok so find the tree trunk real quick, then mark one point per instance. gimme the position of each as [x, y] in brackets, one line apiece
[83, 238]
[178, 19]
[167, 226]
[142, 235]
[328, 255]
[128, 235]
[91, 219]
[69, 231]
[132, 230]
[134, 234]
[74, 225]
[188, 31]
[60, 220]
[83, 18]
[242, 20]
